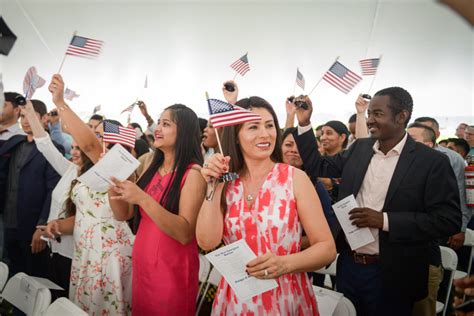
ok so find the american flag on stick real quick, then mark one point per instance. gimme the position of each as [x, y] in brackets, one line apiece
[129, 108]
[300, 79]
[241, 65]
[116, 134]
[84, 47]
[341, 77]
[225, 114]
[369, 66]
[70, 94]
[31, 82]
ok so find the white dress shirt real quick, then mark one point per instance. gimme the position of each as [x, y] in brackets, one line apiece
[13, 130]
[373, 190]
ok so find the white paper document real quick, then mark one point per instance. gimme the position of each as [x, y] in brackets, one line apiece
[118, 163]
[356, 237]
[327, 300]
[231, 262]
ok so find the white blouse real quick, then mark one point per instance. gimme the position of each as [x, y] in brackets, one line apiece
[68, 172]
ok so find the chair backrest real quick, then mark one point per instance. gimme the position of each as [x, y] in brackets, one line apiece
[345, 308]
[64, 307]
[469, 238]
[19, 292]
[449, 261]
[3, 275]
[214, 277]
[331, 269]
[204, 268]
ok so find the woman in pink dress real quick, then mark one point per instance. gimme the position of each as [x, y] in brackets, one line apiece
[168, 195]
[268, 206]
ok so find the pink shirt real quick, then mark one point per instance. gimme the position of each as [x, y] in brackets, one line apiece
[374, 188]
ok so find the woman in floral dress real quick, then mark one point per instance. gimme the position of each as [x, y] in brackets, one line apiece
[263, 207]
[101, 272]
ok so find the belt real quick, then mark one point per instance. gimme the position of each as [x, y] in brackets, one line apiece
[364, 259]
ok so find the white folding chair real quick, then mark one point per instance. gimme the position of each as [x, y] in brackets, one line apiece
[21, 295]
[3, 275]
[345, 308]
[468, 242]
[204, 270]
[449, 260]
[328, 272]
[214, 279]
[64, 307]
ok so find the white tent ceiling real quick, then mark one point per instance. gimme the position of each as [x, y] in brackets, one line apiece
[186, 47]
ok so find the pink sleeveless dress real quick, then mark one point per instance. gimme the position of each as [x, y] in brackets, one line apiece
[271, 224]
[165, 272]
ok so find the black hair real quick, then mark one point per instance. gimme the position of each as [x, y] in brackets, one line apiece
[400, 100]
[286, 132]
[460, 143]
[69, 206]
[353, 118]
[136, 125]
[202, 124]
[39, 107]
[319, 127]
[11, 97]
[443, 141]
[97, 117]
[429, 134]
[187, 151]
[425, 119]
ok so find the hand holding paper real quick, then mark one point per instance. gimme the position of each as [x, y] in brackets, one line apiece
[118, 163]
[356, 237]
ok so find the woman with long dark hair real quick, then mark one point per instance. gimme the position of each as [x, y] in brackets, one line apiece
[168, 197]
[267, 206]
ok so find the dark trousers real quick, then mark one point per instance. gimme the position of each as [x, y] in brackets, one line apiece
[60, 273]
[21, 259]
[362, 285]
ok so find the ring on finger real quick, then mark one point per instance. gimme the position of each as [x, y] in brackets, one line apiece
[265, 272]
[205, 165]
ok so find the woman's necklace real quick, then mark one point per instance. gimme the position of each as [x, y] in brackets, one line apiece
[251, 194]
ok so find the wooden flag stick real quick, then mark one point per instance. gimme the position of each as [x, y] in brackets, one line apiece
[373, 79]
[217, 134]
[65, 55]
[317, 83]
[235, 76]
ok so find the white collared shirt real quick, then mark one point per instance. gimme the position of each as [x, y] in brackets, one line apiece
[373, 190]
[13, 130]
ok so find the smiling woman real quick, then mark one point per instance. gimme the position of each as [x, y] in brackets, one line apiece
[264, 208]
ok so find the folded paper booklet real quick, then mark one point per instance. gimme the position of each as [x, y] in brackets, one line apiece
[231, 262]
[356, 237]
[118, 163]
[327, 300]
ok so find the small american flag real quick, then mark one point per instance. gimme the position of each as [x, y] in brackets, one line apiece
[84, 47]
[116, 134]
[31, 82]
[129, 108]
[300, 79]
[225, 114]
[96, 109]
[241, 65]
[369, 66]
[341, 77]
[70, 94]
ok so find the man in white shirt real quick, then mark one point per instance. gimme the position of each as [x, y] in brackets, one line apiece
[9, 125]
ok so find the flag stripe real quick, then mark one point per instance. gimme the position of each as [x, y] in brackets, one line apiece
[84, 47]
[119, 134]
[225, 114]
[341, 77]
[241, 65]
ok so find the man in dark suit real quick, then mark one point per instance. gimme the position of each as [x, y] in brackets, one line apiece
[26, 183]
[407, 195]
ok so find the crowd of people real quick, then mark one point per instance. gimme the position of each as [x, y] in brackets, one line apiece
[134, 249]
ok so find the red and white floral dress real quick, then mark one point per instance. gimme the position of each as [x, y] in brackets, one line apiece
[270, 224]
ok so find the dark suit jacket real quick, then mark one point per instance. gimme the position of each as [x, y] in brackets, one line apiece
[422, 204]
[37, 181]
